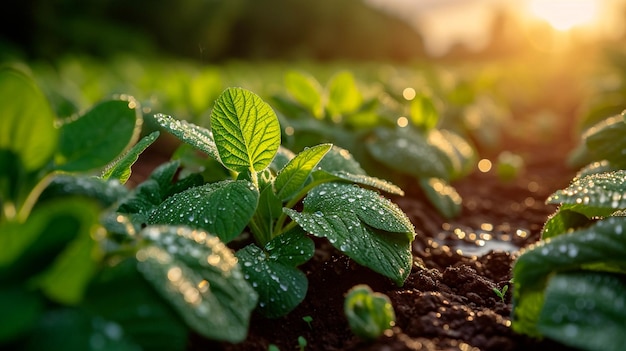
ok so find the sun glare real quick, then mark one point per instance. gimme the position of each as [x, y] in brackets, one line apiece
[563, 14]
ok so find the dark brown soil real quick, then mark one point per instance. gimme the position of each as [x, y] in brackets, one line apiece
[448, 302]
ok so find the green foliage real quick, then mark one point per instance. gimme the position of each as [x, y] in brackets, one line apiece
[244, 133]
[139, 269]
[106, 130]
[569, 286]
[385, 143]
[369, 314]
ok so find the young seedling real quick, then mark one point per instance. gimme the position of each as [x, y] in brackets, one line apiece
[302, 343]
[369, 314]
[308, 320]
[501, 293]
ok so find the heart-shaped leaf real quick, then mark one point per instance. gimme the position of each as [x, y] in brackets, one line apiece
[99, 136]
[294, 175]
[223, 208]
[368, 228]
[200, 277]
[273, 273]
[246, 130]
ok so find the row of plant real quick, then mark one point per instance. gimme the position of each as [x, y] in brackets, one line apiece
[89, 264]
[571, 286]
[400, 115]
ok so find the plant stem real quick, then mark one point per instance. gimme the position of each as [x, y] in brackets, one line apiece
[278, 228]
[30, 201]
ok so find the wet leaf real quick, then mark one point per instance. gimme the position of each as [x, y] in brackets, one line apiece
[443, 196]
[607, 140]
[599, 247]
[223, 208]
[273, 273]
[75, 330]
[106, 192]
[601, 242]
[246, 130]
[344, 96]
[295, 174]
[457, 154]
[359, 222]
[563, 221]
[340, 160]
[27, 123]
[200, 277]
[360, 179]
[121, 168]
[595, 194]
[408, 152]
[143, 314]
[196, 136]
[585, 310]
[97, 137]
[305, 90]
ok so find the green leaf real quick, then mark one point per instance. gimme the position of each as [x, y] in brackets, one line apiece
[121, 168]
[305, 90]
[340, 160]
[408, 152]
[457, 154]
[600, 246]
[369, 314]
[424, 114]
[268, 210]
[607, 140]
[198, 137]
[21, 308]
[443, 196]
[31, 247]
[595, 194]
[97, 137]
[273, 273]
[563, 221]
[295, 174]
[359, 222]
[246, 130]
[66, 279]
[601, 242]
[75, 330]
[585, 310]
[361, 179]
[27, 122]
[343, 95]
[106, 192]
[200, 277]
[143, 314]
[223, 208]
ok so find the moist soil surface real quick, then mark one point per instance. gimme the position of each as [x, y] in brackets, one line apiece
[448, 301]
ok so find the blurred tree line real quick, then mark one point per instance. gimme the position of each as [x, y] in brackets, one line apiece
[206, 29]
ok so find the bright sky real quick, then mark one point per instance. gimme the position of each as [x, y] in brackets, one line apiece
[447, 22]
